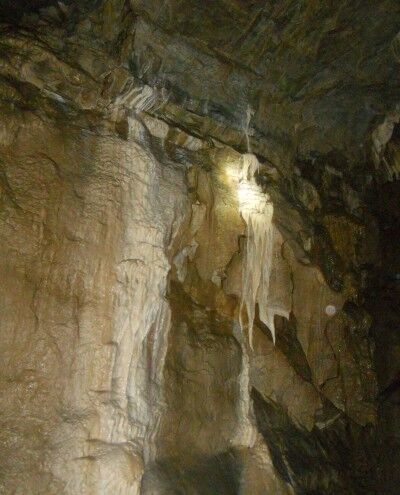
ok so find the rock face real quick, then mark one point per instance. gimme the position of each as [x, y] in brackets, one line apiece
[191, 229]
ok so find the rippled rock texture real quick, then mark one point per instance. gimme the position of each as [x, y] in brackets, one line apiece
[130, 249]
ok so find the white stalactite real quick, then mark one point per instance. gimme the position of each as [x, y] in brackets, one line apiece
[256, 210]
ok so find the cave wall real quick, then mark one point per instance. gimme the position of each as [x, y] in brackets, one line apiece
[84, 281]
[125, 367]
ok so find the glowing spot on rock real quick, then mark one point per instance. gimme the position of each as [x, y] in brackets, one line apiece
[330, 310]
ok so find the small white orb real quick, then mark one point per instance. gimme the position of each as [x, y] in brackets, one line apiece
[330, 310]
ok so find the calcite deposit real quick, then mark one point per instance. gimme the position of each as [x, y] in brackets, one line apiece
[198, 230]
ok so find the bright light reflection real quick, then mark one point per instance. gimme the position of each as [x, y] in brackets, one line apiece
[249, 194]
[250, 197]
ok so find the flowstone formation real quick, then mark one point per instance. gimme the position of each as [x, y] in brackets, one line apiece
[256, 210]
[198, 233]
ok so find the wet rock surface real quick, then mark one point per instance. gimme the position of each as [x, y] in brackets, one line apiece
[131, 247]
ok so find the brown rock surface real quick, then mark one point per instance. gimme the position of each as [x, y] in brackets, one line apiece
[126, 215]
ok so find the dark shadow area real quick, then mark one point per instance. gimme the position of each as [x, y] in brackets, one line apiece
[206, 476]
[12, 11]
[319, 462]
[383, 302]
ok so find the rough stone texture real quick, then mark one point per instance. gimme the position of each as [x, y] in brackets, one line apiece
[313, 73]
[124, 367]
[85, 255]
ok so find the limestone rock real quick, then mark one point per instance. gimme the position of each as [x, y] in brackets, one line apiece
[133, 358]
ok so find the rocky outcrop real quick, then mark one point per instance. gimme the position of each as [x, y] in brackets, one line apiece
[160, 334]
